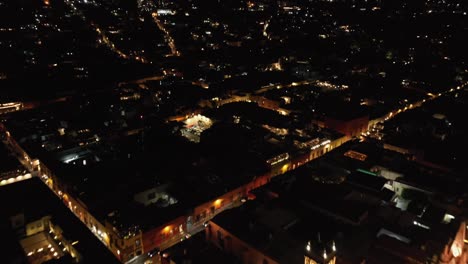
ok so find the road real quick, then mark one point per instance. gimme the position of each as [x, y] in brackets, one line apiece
[413, 105]
[103, 39]
[143, 80]
[282, 86]
[196, 228]
[167, 36]
[266, 24]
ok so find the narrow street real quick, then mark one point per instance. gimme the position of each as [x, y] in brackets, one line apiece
[167, 35]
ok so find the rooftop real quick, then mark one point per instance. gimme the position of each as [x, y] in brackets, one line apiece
[198, 251]
[39, 201]
[273, 229]
[9, 162]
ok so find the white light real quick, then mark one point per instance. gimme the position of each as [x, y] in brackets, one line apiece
[421, 225]
[456, 250]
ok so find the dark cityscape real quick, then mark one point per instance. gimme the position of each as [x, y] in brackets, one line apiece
[234, 131]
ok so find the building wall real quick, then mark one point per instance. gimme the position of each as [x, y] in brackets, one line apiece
[235, 246]
[299, 160]
[37, 226]
[165, 236]
[352, 128]
[456, 250]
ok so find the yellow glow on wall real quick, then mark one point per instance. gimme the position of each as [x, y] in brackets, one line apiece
[167, 229]
[105, 236]
[218, 202]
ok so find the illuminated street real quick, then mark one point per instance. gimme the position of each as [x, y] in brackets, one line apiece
[168, 38]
